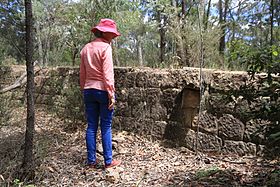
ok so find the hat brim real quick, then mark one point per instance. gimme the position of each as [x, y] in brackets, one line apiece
[105, 29]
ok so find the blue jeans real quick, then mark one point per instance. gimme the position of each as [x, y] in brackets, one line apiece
[96, 107]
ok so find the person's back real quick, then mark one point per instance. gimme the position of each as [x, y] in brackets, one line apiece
[97, 84]
[95, 55]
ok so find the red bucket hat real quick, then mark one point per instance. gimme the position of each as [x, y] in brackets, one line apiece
[106, 25]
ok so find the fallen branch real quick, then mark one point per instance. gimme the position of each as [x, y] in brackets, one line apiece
[18, 83]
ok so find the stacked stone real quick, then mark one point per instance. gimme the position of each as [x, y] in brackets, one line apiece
[167, 104]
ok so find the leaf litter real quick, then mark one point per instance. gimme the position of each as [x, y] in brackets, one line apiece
[61, 154]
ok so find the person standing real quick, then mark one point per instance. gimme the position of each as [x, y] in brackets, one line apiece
[97, 84]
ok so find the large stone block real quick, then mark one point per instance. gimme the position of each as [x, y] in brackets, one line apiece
[255, 131]
[203, 142]
[122, 109]
[175, 132]
[159, 129]
[168, 81]
[230, 128]
[124, 77]
[169, 96]
[136, 95]
[130, 80]
[239, 148]
[122, 94]
[142, 79]
[158, 79]
[158, 112]
[153, 95]
[140, 110]
[207, 123]
[136, 125]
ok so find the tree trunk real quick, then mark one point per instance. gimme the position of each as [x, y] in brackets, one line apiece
[162, 45]
[181, 49]
[115, 54]
[183, 8]
[271, 21]
[139, 50]
[222, 22]
[74, 54]
[28, 168]
[162, 22]
[271, 28]
[206, 16]
[47, 49]
[40, 48]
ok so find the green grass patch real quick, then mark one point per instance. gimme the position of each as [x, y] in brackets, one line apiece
[207, 172]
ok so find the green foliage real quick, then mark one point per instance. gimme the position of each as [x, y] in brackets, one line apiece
[69, 105]
[149, 28]
[258, 59]
[274, 178]
[18, 183]
[12, 30]
[5, 109]
[268, 59]
[207, 172]
[72, 104]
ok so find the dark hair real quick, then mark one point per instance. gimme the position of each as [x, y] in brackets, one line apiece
[98, 34]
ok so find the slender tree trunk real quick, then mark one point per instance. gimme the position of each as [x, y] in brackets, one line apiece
[221, 46]
[181, 49]
[28, 167]
[271, 27]
[183, 8]
[139, 50]
[162, 45]
[47, 50]
[162, 22]
[206, 16]
[74, 54]
[222, 22]
[40, 48]
[271, 21]
[115, 53]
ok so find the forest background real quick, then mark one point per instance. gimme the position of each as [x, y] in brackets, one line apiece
[222, 34]
[236, 34]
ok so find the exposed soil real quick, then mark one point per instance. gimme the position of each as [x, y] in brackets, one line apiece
[61, 154]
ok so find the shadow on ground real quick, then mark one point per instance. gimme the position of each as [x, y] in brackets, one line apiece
[262, 175]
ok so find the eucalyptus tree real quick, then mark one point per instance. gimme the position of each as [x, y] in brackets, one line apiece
[252, 34]
[50, 29]
[28, 166]
[12, 28]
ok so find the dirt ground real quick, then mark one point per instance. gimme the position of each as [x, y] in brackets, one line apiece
[61, 154]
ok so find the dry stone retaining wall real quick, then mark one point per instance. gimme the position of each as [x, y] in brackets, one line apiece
[163, 104]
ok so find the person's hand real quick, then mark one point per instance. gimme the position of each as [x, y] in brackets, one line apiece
[111, 103]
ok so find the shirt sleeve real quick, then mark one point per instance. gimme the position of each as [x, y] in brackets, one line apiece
[108, 71]
[82, 72]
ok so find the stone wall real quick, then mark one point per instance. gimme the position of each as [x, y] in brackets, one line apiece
[164, 105]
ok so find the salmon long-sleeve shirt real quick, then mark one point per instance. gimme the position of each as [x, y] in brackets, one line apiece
[96, 68]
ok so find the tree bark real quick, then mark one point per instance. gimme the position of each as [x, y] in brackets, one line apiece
[162, 22]
[271, 21]
[206, 16]
[222, 22]
[28, 168]
[40, 47]
[139, 50]
[115, 54]
[183, 8]
[74, 54]
[271, 28]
